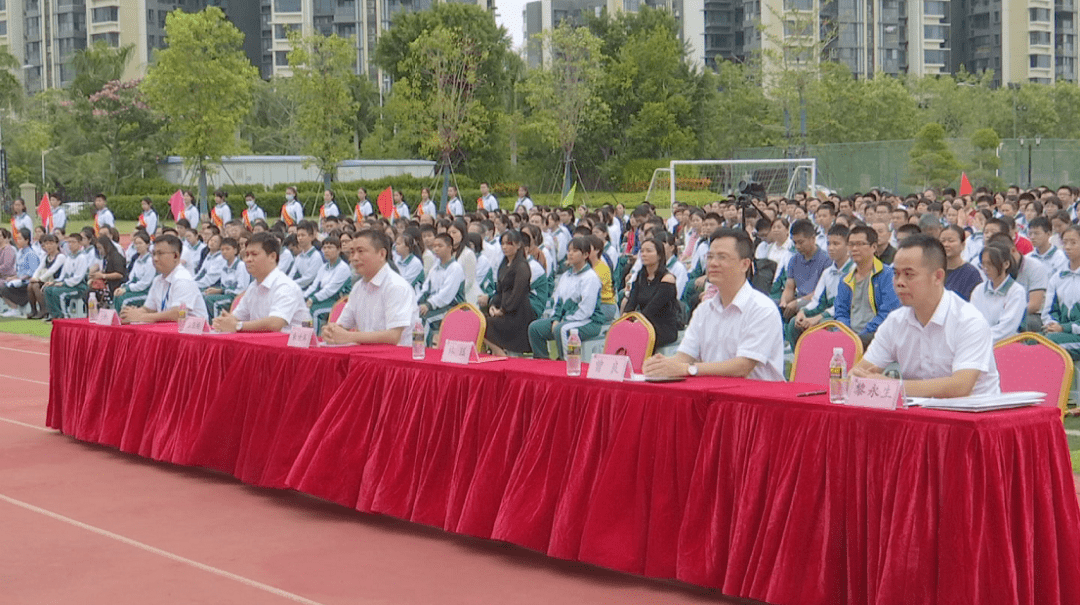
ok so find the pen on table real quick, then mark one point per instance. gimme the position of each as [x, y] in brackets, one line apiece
[812, 393]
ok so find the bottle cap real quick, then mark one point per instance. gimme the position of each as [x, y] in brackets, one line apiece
[838, 350]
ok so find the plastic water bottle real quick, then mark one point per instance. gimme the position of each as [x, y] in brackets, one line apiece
[418, 348]
[181, 313]
[91, 307]
[837, 376]
[573, 354]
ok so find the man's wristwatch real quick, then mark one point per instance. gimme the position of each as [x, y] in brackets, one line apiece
[239, 326]
[691, 369]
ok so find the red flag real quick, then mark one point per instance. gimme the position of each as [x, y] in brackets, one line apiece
[386, 202]
[176, 204]
[44, 211]
[965, 184]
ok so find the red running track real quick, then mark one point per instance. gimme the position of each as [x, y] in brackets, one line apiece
[85, 524]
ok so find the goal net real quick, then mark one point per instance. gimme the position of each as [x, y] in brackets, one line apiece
[703, 181]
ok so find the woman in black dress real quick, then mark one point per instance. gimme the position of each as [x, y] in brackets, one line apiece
[510, 313]
[653, 293]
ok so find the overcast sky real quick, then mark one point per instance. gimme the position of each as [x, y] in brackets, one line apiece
[509, 16]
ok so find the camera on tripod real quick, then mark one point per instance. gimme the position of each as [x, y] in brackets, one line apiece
[749, 191]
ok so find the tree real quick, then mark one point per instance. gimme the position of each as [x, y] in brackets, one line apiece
[564, 93]
[985, 161]
[203, 82]
[322, 74]
[121, 124]
[932, 162]
[269, 128]
[97, 65]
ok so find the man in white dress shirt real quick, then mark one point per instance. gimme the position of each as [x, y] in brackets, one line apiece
[172, 287]
[382, 307]
[941, 342]
[738, 332]
[272, 302]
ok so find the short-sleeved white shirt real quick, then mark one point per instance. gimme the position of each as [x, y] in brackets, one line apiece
[957, 337]
[748, 327]
[173, 290]
[384, 303]
[275, 296]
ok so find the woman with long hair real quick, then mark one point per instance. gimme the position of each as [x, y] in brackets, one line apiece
[510, 312]
[653, 293]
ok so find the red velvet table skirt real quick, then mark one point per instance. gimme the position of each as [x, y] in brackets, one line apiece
[733, 484]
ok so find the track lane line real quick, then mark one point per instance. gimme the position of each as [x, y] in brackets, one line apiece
[24, 351]
[46, 383]
[160, 552]
[27, 425]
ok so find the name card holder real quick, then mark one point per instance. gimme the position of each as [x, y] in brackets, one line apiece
[879, 393]
[106, 317]
[460, 352]
[615, 368]
[194, 325]
[302, 337]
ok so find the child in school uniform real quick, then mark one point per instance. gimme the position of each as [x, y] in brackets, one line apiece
[141, 274]
[411, 267]
[331, 283]
[234, 279]
[444, 287]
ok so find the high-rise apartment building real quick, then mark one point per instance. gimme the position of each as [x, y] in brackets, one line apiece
[1033, 40]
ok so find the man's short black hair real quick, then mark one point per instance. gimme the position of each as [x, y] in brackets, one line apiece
[933, 252]
[804, 228]
[1040, 222]
[308, 226]
[269, 243]
[838, 230]
[743, 245]
[907, 230]
[169, 240]
[869, 232]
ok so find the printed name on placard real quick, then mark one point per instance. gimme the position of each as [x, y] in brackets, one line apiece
[615, 368]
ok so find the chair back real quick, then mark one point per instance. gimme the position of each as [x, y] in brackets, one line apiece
[1032, 362]
[631, 335]
[814, 351]
[335, 312]
[236, 301]
[463, 322]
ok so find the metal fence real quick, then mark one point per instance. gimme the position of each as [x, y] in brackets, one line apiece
[851, 167]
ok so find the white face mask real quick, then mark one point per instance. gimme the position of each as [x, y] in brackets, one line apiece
[288, 197]
[251, 203]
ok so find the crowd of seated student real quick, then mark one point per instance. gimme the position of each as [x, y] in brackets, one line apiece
[539, 272]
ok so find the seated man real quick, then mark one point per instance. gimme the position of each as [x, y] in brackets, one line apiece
[382, 305]
[941, 342]
[804, 269]
[824, 297]
[272, 302]
[173, 286]
[576, 300]
[738, 331]
[72, 278]
[865, 296]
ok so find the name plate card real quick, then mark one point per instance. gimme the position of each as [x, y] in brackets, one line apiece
[615, 368]
[880, 393]
[106, 317]
[459, 351]
[302, 337]
[194, 325]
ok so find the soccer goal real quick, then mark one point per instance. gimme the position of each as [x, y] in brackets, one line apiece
[702, 181]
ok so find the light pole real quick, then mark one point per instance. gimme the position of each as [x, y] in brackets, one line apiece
[1038, 141]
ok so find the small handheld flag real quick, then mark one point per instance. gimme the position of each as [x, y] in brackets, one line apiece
[965, 184]
[44, 211]
[386, 202]
[176, 204]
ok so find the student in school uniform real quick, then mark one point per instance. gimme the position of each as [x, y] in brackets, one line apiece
[309, 260]
[485, 273]
[363, 208]
[329, 285]
[71, 282]
[220, 214]
[252, 213]
[20, 219]
[192, 250]
[288, 257]
[401, 208]
[47, 270]
[539, 279]
[576, 304]
[234, 279]
[444, 287]
[292, 211]
[103, 217]
[272, 301]
[172, 287]
[411, 267]
[454, 207]
[141, 274]
[209, 273]
[14, 291]
[329, 206]
[1000, 299]
[190, 213]
[148, 220]
[426, 207]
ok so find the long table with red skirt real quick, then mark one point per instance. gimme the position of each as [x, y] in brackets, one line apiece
[733, 484]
